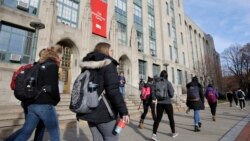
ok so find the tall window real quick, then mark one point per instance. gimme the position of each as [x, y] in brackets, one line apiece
[167, 8]
[179, 77]
[138, 24]
[169, 31]
[182, 38]
[184, 58]
[170, 52]
[179, 4]
[156, 70]
[29, 6]
[173, 76]
[122, 33]
[15, 44]
[68, 12]
[142, 69]
[152, 46]
[176, 55]
[180, 19]
[140, 40]
[151, 20]
[186, 77]
[121, 17]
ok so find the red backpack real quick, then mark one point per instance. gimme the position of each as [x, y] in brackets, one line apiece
[211, 96]
[16, 73]
[145, 93]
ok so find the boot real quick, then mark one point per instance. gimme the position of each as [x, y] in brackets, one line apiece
[214, 118]
[196, 128]
[141, 124]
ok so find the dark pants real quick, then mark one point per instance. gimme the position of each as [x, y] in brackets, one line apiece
[146, 106]
[242, 103]
[40, 128]
[236, 100]
[213, 108]
[230, 98]
[169, 110]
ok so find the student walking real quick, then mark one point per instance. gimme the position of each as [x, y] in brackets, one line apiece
[163, 91]
[100, 122]
[241, 96]
[146, 97]
[229, 95]
[195, 101]
[43, 108]
[236, 100]
[122, 82]
[212, 96]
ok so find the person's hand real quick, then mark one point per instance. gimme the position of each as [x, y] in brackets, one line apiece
[126, 119]
[154, 101]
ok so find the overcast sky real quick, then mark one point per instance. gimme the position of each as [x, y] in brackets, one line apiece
[228, 21]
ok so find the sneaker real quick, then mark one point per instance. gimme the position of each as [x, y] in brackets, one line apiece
[199, 124]
[174, 135]
[154, 137]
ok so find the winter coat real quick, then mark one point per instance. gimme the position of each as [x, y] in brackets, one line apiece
[170, 90]
[108, 81]
[199, 104]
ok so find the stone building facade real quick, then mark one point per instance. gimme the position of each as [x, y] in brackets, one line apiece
[146, 37]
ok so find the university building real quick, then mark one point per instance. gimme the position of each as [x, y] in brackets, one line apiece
[146, 36]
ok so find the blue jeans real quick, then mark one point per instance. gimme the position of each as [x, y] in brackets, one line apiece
[37, 112]
[122, 91]
[196, 117]
[38, 134]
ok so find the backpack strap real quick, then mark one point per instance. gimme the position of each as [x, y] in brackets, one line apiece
[106, 103]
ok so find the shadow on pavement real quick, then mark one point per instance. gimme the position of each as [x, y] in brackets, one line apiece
[71, 134]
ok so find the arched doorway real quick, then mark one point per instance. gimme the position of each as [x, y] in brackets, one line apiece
[125, 66]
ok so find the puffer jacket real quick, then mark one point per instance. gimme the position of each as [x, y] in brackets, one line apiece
[196, 105]
[108, 80]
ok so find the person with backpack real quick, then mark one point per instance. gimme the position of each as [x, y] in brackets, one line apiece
[195, 101]
[146, 98]
[40, 129]
[229, 95]
[42, 107]
[212, 96]
[163, 91]
[122, 82]
[100, 121]
[241, 97]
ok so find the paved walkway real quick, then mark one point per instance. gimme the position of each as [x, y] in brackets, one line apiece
[230, 123]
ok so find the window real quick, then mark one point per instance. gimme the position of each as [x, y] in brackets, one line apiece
[169, 31]
[182, 39]
[151, 3]
[173, 76]
[151, 20]
[180, 19]
[179, 4]
[152, 46]
[122, 33]
[140, 40]
[179, 77]
[137, 14]
[170, 52]
[186, 77]
[184, 58]
[15, 42]
[176, 55]
[121, 5]
[167, 8]
[142, 70]
[65, 64]
[68, 12]
[29, 6]
[156, 70]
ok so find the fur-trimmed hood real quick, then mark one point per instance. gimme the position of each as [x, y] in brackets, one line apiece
[96, 60]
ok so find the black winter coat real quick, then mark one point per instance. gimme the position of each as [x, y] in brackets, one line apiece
[48, 78]
[108, 80]
[196, 105]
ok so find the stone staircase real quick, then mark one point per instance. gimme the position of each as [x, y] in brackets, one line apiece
[12, 117]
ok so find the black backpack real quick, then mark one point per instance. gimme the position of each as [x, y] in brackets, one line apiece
[161, 89]
[193, 93]
[240, 94]
[26, 84]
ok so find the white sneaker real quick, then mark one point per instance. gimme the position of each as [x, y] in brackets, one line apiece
[174, 135]
[154, 137]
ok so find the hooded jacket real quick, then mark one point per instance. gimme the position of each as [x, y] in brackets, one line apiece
[196, 105]
[108, 81]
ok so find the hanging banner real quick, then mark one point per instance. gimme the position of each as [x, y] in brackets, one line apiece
[99, 17]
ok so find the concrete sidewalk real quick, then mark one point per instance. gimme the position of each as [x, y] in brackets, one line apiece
[229, 123]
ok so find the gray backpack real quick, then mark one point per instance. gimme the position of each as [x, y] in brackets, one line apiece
[193, 93]
[161, 89]
[84, 95]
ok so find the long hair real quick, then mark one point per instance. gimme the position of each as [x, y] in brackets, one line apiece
[164, 74]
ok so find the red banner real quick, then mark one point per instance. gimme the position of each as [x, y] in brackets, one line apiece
[99, 16]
